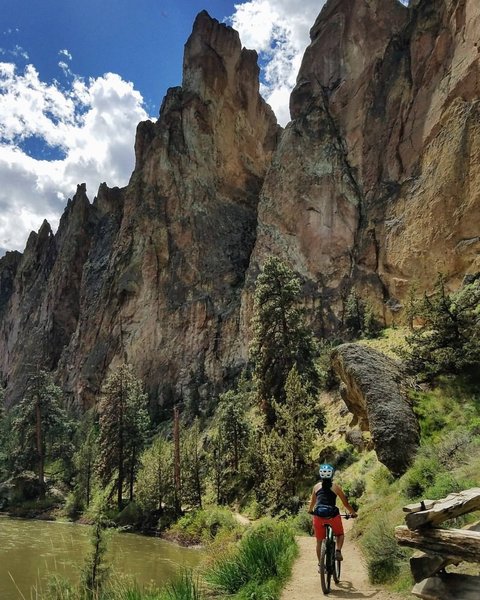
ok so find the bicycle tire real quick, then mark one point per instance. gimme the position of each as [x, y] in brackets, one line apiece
[337, 567]
[325, 571]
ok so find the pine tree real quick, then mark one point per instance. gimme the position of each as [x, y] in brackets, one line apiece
[85, 460]
[123, 423]
[155, 476]
[41, 428]
[281, 338]
[449, 339]
[353, 314]
[95, 571]
[233, 422]
[192, 466]
[288, 446]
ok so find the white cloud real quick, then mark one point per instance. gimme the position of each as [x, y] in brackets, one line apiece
[90, 126]
[65, 53]
[279, 31]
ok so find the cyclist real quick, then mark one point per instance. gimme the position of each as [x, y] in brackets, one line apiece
[323, 507]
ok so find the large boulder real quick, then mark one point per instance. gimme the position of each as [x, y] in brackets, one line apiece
[375, 391]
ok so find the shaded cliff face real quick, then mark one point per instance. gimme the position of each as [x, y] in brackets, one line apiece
[40, 301]
[166, 297]
[374, 183]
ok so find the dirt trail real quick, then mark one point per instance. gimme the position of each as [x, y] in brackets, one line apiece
[305, 581]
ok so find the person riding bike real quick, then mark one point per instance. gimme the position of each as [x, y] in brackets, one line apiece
[323, 507]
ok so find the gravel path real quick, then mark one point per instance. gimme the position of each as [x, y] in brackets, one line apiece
[305, 581]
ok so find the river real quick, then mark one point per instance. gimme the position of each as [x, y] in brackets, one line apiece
[32, 551]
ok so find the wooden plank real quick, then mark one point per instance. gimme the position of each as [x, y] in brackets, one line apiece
[450, 586]
[420, 505]
[426, 565]
[455, 544]
[452, 506]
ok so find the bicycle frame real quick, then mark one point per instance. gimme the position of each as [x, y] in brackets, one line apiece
[329, 566]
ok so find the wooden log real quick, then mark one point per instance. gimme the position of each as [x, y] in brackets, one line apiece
[452, 506]
[455, 544]
[450, 586]
[418, 506]
[426, 565]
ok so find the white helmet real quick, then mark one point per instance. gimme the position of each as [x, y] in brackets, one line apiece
[326, 471]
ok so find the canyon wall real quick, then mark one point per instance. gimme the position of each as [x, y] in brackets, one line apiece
[374, 184]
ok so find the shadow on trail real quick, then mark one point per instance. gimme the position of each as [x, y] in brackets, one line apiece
[346, 589]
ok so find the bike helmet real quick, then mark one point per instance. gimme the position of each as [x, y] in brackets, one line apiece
[326, 471]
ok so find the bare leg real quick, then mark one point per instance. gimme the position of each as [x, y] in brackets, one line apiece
[319, 550]
[340, 539]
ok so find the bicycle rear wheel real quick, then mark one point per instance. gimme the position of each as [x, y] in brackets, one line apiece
[337, 567]
[325, 569]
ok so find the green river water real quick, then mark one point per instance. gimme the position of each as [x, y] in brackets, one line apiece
[33, 551]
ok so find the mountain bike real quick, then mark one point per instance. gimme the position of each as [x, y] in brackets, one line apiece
[329, 567]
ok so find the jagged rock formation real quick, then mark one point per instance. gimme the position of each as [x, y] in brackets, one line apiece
[374, 390]
[157, 273]
[373, 184]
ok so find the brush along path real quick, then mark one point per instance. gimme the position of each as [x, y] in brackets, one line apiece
[304, 583]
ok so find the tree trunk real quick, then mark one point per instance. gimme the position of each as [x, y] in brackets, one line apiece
[132, 473]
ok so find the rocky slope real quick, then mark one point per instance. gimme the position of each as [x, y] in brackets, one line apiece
[373, 184]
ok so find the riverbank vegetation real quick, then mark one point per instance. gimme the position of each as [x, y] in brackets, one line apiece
[183, 471]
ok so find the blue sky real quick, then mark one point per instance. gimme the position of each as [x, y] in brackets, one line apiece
[76, 77]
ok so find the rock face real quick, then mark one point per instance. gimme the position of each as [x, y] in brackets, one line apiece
[373, 388]
[374, 184]
[152, 274]
[375, 180]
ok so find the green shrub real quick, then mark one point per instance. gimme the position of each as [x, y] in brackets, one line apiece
[202, 526]
[420, 476]
[302, 523]
[265, 552]
[384, 555]
[184, 587]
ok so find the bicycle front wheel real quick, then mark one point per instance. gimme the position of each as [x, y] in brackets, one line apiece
[325, 571]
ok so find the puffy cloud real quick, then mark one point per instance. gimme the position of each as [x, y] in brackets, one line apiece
[279, 31]
[53, 138]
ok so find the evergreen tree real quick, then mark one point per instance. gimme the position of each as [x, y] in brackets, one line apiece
[2, 403]
[218, 465]
[123, 423]
[449, 339]
[192, 466]
[281, 338]
[288, 446]
[354, 314]
[155, 476]
[370, 325]
[85, 460]
[41, 428]
[95, 571]
[233, 422]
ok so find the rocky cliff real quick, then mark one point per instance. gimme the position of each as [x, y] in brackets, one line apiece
[375, 180]
[373, 184]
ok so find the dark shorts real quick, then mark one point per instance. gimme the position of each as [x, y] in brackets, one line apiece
[319, 526]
